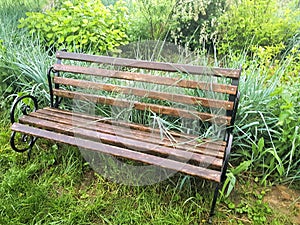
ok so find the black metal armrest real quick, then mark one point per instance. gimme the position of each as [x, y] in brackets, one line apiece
[25, 108]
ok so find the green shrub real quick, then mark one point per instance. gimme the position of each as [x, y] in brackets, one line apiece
[292, 59]
[80, 26]
[278, 60]
[263, 23]
[150, 19]
[184, 22]
[196, 22]
[286, 108]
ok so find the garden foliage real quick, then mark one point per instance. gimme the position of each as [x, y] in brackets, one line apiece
[184, 22]
[250, 24]
[267, 127]
[80, 26]
[196, 22]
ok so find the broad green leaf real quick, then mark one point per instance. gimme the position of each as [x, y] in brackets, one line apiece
[242, 167]
[61, 39]
[50, 35]
[74, 29]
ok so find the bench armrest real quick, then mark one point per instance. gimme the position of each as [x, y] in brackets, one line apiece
[25, 108]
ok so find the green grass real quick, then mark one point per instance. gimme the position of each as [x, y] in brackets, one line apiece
[23, 61]
[267, 125]
[56, 186]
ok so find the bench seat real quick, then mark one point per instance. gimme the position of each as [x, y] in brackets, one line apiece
[180, 152]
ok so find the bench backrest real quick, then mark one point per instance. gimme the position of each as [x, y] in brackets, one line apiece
[177, 90]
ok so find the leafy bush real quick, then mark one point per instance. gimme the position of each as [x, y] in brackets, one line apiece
[184, 22]
[286, 107]
[292, 59]
[150, 19]
[257, 23]
[80, 26]
[196, 22]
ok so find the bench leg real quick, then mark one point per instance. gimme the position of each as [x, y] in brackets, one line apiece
[29, 140]
[213, 205]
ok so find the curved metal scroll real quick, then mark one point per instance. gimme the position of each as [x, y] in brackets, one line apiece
[23, 139]
[25, 109]
[53, 102]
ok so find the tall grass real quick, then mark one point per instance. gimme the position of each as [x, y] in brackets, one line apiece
[28, 64]
[263, 137]
[23, 61]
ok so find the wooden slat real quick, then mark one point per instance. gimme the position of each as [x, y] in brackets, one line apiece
[212, 149]
[129, 127]
[217, 119]
[185, 99]
[129, 143]
[206, 143]
[120, 152]
[170, 67]
[221, 88]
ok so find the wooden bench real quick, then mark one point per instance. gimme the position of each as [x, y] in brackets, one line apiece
[119, 101]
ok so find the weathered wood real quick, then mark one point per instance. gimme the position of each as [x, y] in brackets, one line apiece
[178, 82]
[116, 140]
[169, 67]
[205, 147]
[167, 163]
[124, 103]
[206, 143]
[179, 98]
